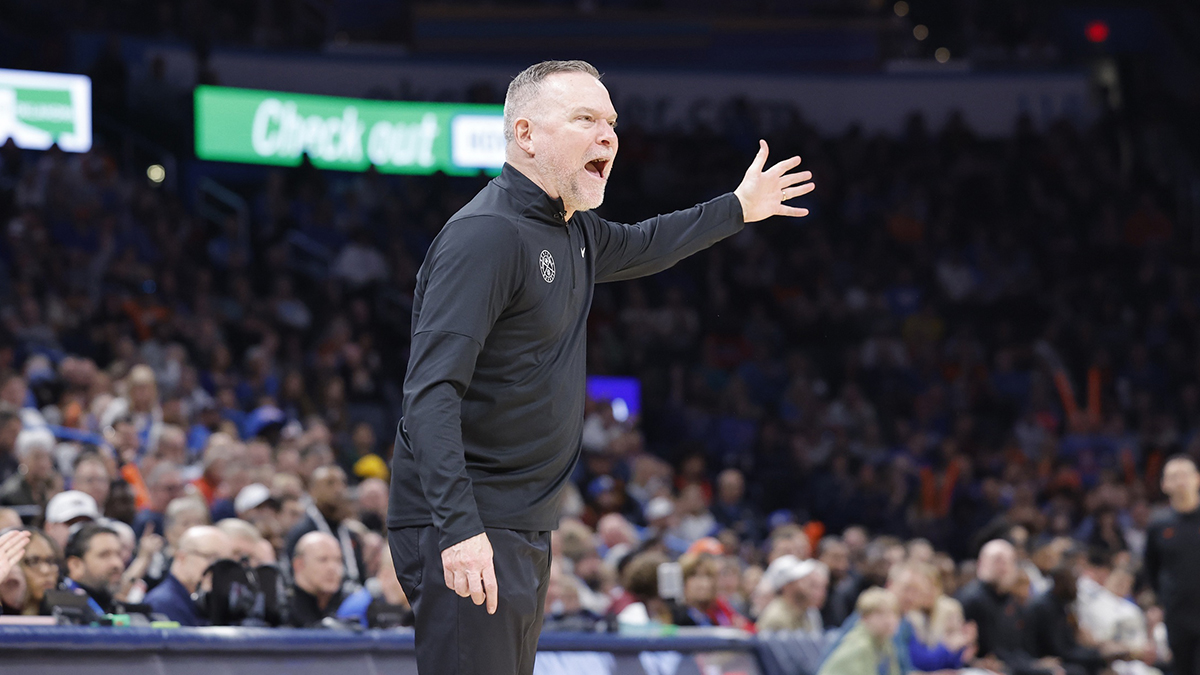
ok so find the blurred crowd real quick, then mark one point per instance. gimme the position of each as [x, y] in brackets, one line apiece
[1015, 34]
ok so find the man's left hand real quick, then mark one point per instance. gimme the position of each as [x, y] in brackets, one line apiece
[763, 193]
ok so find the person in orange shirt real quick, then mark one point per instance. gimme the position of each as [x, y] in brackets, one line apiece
[216, 459]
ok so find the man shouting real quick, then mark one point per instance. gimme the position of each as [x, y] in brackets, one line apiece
[494, 395]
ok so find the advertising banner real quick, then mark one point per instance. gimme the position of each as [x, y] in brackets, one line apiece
[38, 110]
[269, 127]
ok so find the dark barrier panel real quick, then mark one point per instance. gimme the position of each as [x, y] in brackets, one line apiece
[252, 651]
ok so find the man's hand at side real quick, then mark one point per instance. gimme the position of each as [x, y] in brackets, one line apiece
[762, 193]
[469, 570]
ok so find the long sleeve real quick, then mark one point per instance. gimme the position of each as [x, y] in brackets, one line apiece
[1152, 560]
[470, 279]
[632, 251]
[973, 610]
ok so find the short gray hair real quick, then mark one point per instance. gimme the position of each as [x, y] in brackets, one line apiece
[29, 440]
[526, 86]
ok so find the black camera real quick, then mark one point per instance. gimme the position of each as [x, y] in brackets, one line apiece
[244, 596]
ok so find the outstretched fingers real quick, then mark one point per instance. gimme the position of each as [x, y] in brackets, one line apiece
[792, 211]
[793, 192]
[793, 178]
[760, 159]
[784, 166]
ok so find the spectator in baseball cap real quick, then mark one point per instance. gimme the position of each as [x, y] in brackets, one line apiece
[794, 606]
[252, 499]
[67, 509]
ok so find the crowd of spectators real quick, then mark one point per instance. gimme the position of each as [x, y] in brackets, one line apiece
[969, 341]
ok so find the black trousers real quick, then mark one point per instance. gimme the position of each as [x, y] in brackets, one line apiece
[1184, 640]
[454, 636]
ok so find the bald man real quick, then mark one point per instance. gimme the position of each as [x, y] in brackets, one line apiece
[9, 518]
[1172, 562]
[198, 548]
[317, 571]
[494, 393]
[988, 601]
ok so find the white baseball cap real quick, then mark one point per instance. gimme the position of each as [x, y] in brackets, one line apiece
[67, 506]
[252, 496]
[794, 569]
[659, 507]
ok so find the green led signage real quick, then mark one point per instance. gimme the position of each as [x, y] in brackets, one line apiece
[268, 127]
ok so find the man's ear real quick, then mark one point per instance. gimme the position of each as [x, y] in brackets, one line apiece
[523, 134]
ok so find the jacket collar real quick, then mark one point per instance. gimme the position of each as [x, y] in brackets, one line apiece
[532, 200]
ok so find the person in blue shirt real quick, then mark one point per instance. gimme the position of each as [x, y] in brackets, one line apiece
[198, 548]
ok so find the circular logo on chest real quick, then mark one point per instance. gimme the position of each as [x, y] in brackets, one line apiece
[546, 264]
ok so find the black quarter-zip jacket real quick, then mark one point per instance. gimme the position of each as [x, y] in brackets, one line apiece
[494, 394]
[1171, 564]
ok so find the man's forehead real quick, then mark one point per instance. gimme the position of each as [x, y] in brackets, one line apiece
[105, 541]
[573, 89]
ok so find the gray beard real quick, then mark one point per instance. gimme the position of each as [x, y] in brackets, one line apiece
[569, 191]
[579, 201]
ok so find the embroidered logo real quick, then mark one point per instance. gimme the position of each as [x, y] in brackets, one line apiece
[546, 264]
[583, 252]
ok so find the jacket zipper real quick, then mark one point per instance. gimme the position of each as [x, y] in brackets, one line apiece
[570, 253]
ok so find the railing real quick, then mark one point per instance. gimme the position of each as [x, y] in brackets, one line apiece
[257, 651]
[216, 203]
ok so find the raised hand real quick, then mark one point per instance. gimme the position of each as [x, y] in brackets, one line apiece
[12, 549]
[150, 543]
[469, 570]
[763, 193]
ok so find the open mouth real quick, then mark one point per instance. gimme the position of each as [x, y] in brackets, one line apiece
[598, 168]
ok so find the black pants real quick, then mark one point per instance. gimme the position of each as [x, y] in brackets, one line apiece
[1184, 639]
[454, 636]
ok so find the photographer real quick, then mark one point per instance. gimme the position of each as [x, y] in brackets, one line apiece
[317, 571]
[198, 548]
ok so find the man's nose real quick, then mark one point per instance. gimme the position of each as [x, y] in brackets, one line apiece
[608, 136]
